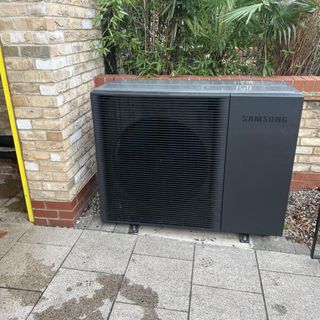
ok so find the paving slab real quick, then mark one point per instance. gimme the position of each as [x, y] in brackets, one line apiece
[162, 247]
[272, 243]
[286, 262]
[157, 282]
[95, 224]
[8, 216]
[101, 251]
[122, 311]
[291, 297]
[3, 201]
[194, 235]
[17, 304]
[83, 222]
[8, 190]
[221, 304]
[54, 236]
[108, 227]
[278, 244]
[121, 228]
[301, 248]
[226, 267]
[31, 266]
[16, 203]
[75, 294]
[9, 235]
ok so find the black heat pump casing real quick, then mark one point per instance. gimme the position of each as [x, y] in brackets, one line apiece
[204, 154]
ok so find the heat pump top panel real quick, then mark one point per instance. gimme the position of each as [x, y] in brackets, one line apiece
[196, 88]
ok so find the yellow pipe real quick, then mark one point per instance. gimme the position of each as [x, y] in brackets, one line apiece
[12, 120]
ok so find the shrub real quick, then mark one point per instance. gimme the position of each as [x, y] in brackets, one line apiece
[202, 37]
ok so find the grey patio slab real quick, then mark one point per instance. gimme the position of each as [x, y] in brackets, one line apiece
[226, 267]
[108, 227]
[9, 235]
[286, 262]
[161, 247]
[278, 244]
[271, 243]
[53, 236]
[291, 297]
[101, 251]
[194, 235]
[3, 200]
[75, 294]
[83, 222]
[31, 266]
[221, 304]
[122, 311]
[12, 216]
[157, 282]
[95, 224]
[121, 228]
[16, 304]
[301, 248]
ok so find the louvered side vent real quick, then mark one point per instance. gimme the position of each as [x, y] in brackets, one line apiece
[161, 159]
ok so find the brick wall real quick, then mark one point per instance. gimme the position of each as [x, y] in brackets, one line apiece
[308, 147]
[307, 161]
[50, 69]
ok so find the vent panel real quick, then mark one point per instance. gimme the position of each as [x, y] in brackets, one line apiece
[161, 159]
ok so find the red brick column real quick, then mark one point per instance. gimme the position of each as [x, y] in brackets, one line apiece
[305, 180]
[64, 213]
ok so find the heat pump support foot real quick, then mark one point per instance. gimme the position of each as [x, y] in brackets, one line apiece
[244, 237]
[134, 228]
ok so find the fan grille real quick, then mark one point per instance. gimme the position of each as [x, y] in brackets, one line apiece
[161, 159]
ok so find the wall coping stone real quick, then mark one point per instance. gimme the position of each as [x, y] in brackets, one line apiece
[308, 85]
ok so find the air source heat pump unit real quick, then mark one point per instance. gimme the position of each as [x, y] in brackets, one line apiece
[207, 154]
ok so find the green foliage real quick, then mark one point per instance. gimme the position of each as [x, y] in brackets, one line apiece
[203, 37]
[274, 23]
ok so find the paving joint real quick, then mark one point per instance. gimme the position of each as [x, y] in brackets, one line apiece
[123, 277]
[16, 241]
[291, 273]
[151, 255]
[134, 304]
[190, 298]
[19, 289]
[261, 284]
[227, 289]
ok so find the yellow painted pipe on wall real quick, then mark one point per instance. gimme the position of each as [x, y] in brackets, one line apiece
[12, 120]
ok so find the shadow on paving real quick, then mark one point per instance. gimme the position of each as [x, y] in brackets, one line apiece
[12, 202]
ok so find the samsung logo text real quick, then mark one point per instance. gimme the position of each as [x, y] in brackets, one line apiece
[264, 119]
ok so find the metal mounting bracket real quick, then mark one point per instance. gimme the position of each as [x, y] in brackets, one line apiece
[134, 228]
[244, 237]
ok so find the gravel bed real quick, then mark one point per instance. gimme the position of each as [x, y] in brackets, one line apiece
[90, 213]
[302, 211]
[299, 224]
